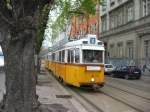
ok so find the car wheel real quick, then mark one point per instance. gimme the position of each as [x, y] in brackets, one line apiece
[138, 77]
[127, 77]
[112, 75]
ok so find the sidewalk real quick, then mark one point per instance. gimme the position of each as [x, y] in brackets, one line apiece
[54, 96]
[146, 73]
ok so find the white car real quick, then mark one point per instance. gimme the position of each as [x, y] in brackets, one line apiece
[1, 63]
[108, 68]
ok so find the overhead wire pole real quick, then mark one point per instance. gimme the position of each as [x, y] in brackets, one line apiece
[98, 17]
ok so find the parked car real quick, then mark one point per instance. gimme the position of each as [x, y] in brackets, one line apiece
[108, 68]
[1, 63]
[127, 72]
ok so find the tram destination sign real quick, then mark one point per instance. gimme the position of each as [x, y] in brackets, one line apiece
[93, 68]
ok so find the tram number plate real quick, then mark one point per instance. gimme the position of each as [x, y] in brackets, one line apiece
[93, 68]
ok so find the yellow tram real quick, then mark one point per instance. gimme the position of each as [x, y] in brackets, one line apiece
[79, 62]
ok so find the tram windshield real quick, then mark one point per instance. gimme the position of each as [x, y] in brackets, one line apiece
[92, 56]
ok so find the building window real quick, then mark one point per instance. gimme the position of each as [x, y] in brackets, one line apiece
[145, 7]
[104, 8]
[112, 52]
[112, 3]
[119, 19]
[148, 6]
[130, 50]
[130, 13]
[95, 27]
[146, 48]
[119, 1]
[112, 21]
[103, 25]
[120, 49]
[91, 29]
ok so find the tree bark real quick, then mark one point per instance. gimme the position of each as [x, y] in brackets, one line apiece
[18, 24]
[20, 76]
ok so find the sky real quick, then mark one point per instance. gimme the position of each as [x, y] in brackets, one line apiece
[0, 49]
[47, 41]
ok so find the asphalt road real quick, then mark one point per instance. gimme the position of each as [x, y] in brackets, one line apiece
[118, 95]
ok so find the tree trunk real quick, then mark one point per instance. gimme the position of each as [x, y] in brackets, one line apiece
[20, 74]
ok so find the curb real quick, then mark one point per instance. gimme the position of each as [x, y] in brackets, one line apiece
[74, 102]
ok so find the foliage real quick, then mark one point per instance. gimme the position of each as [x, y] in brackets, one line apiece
[43, 18]
[61, 21]
[72, 8]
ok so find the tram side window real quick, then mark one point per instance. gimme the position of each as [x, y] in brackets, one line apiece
[53, 56]
[49, 57]
[59, 56]
[77, 55]
[70, 56]
[63, 56]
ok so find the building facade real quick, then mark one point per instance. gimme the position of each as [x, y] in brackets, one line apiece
[80, 25]
[125, 29]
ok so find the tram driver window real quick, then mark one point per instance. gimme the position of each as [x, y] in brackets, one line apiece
[92, 56]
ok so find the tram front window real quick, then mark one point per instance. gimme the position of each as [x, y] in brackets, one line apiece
[92, 56]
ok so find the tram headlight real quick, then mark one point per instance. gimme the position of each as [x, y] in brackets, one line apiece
[92, 79]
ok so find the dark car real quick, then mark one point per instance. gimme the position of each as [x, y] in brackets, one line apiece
[127, 72]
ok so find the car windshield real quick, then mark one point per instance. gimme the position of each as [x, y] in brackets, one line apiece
[92, 56]
[108, 66]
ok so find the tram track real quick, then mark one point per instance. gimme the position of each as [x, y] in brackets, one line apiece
[77, 92]
[135, 94]
[138, 110]
[82, 97]
[133, 84]
[138, 103]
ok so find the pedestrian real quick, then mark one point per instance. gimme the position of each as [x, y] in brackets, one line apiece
[144, 67]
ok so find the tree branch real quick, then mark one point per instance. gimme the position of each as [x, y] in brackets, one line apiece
[6, 20]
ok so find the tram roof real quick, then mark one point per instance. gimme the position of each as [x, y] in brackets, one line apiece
[87, 40]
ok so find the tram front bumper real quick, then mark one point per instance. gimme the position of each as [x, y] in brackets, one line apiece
[99, 85]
